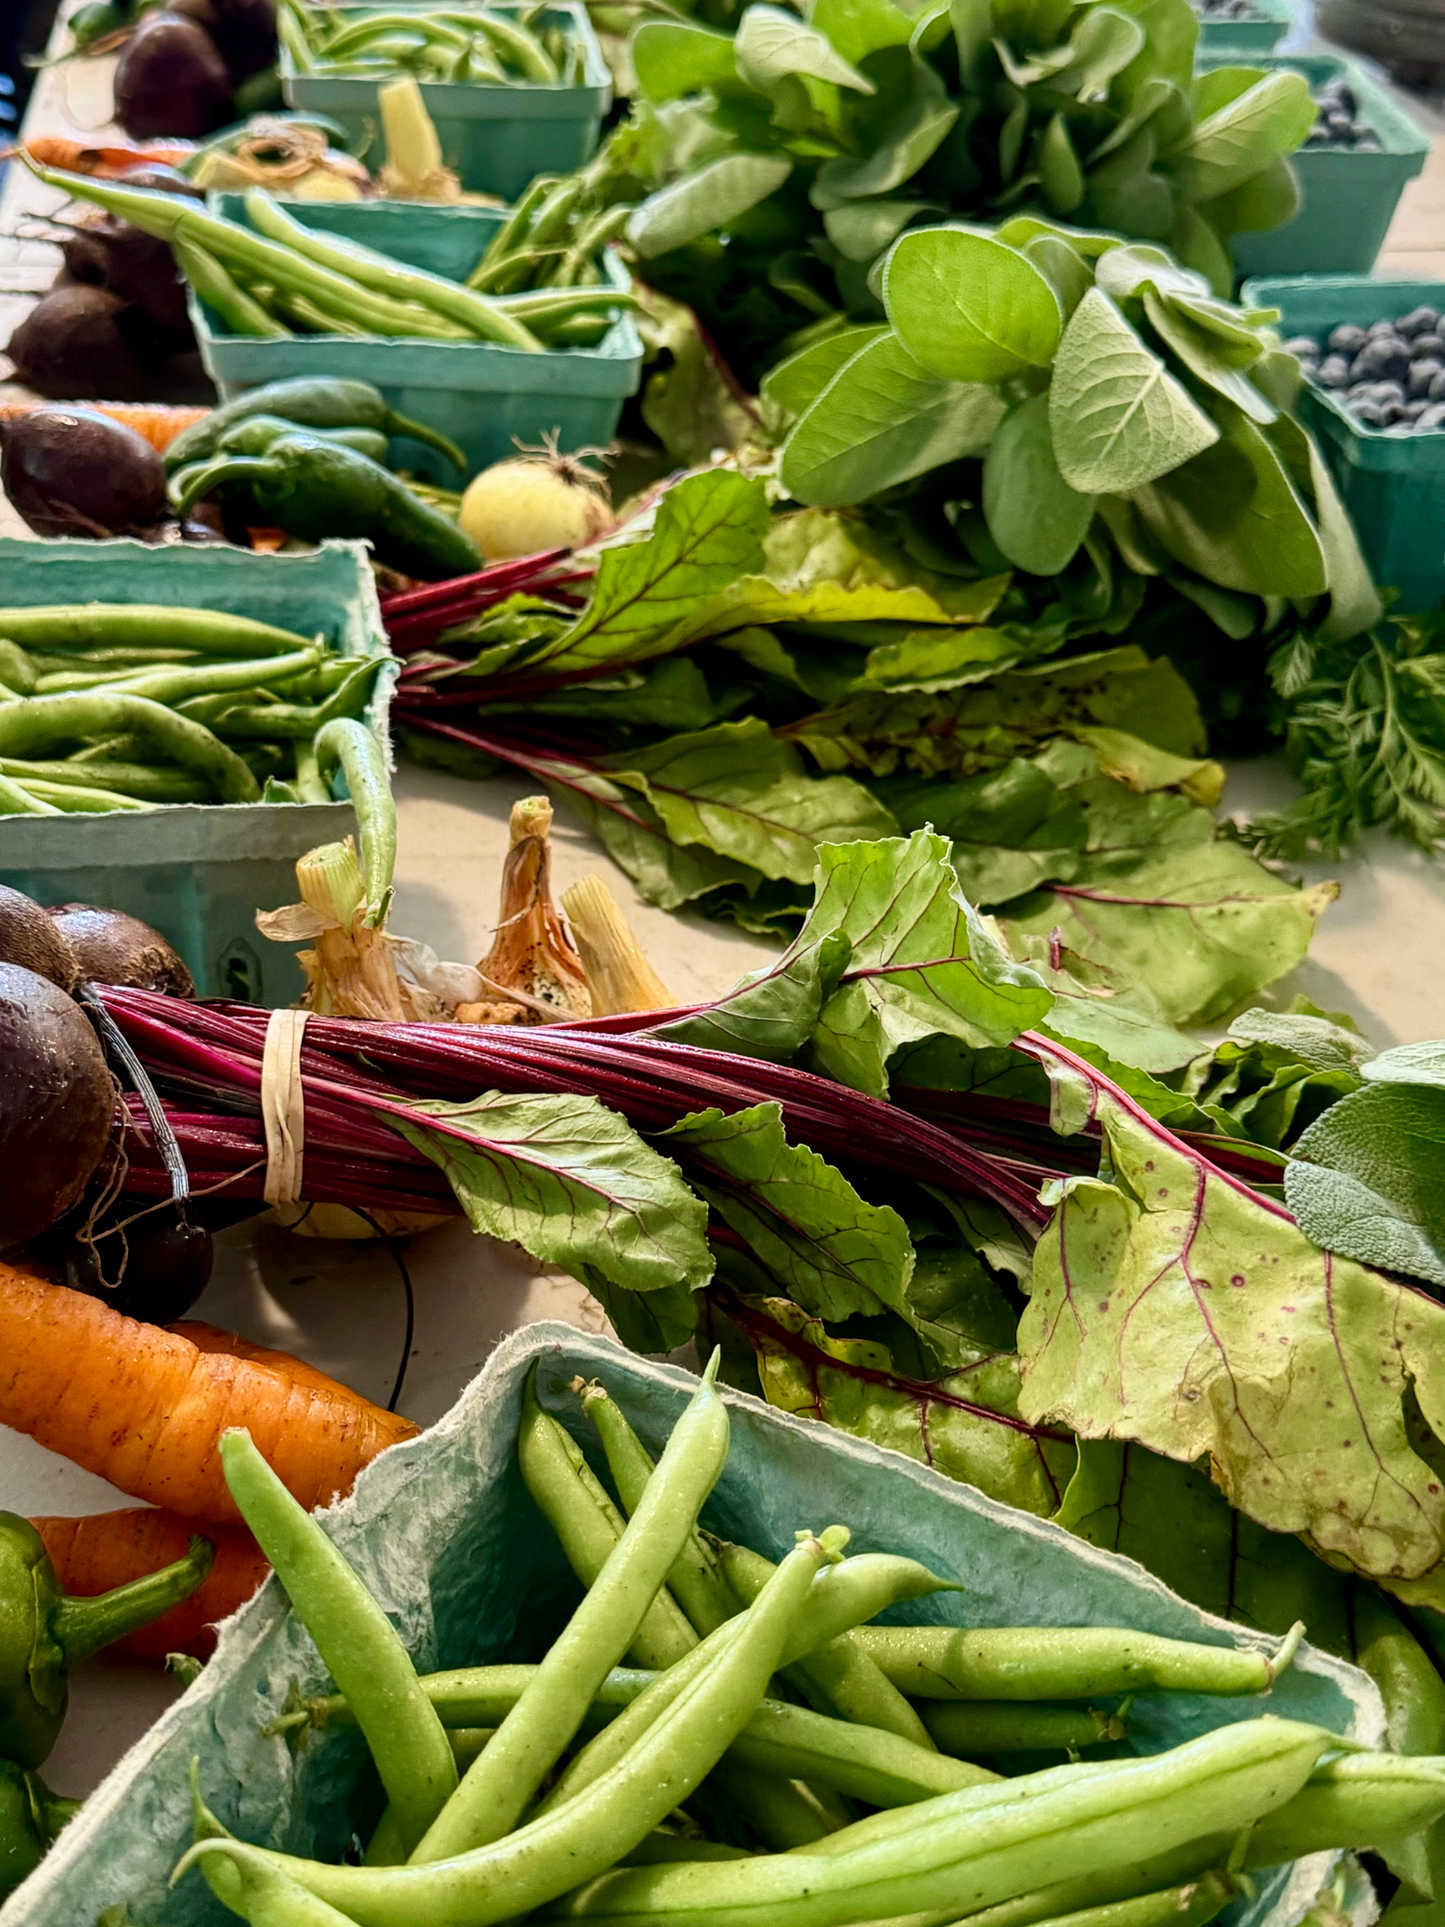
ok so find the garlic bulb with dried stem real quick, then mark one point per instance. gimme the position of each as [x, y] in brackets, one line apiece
[532, 962]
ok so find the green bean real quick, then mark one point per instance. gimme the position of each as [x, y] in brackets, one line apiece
[588, 1527]
[510, 1876]
[213, 631]
[41, 722]
[139, 780]
[550, 221]
[1358, 1801]
[448, 299]
[310, 316]
[1414, 1696]
[532, 1736]
[210, 709]
[1068, 1662]
[660, 1846]
[428, 25]
[116, 660]
[576, 331]
[239, 312]
[270, 1898]
[838, 1676]
[520, 47]
[74, 801]
[879, 1768]
[1189, 1906]
[782, 1814]
[697, 1581]
[311, 787]
[16, 800]
[346, 744]
[514, 227]
[562, 304]
[1016, 1726]
[590, 240]
[17, 670]
[505, 271]
[354, 1637]
[215, 678]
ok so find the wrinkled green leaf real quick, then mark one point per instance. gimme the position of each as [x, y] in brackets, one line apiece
[569, 1181]
[771, 1013]
[1119, 418]
[1011, 828]
[965, 1426]
[716, 194]
[881, 420]
[836, 1255]
[1033, 514]
[1176, 1308]
[969, 308]
[1364, 1180]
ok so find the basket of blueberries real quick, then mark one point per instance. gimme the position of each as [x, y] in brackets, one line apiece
[1373, 357]
[1241, 26]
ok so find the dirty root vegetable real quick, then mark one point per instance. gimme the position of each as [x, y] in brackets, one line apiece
[74, 344]
[70, 471]
[29, 938]
[539, 500]
[116, 949]
[245, 35]
[56, 1102]
[171, 79]
[141, 269]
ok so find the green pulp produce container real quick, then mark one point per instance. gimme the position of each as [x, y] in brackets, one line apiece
[1260, 34]
[1348, 199]
[444, 1533]
[485, 397]
[198, 872]
[496, 137]
[1393, 483]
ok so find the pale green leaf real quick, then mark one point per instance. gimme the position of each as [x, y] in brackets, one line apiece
[772, 1012]
[772, 43]
[898, 150]
[635, 837]
[705, 200]
[1119, 418]
[793, 385]
[1033, 514]
[1176, 1308]
[881, 420]
[861, 230]
[1105, 41]
[1354, 600]
[1241, 138]
[1364, 1180]
[833, 1253]
[1060, 175]
[1198, 351]
[970, 308]
[569, 1181]
[857, 28]
[935, 659]
[673, 58]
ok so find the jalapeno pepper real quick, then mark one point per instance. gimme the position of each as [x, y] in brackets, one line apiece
[44, 1632]
[308, 402]
[314, 489]
[30, 1817]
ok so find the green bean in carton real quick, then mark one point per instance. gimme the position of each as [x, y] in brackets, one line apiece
[613, 1643]
[170, 747]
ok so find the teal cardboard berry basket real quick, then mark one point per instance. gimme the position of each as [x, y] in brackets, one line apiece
[445, 1535]
[1348, 199]
[495, 137]
[1261, 33]
[486, 397]
[1393, 483]
[198, 872]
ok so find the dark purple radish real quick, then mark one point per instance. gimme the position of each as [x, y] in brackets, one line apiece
[171, 80]
[74, 346]
[57, 1103]
[113, 948]
[70, 471]
[141, 269]
[245, 32]
[30, 937]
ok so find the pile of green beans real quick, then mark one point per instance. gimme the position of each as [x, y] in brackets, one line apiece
[125, 706]
[720, 1740]
[277, 277]
[434, 44]
[544, 261]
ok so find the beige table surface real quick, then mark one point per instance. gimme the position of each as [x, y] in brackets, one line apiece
[1380, 954]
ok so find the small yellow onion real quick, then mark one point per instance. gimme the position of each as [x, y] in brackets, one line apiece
[535, 500]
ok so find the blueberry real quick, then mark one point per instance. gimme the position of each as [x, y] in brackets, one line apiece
[1436, 390]
[1304, 346]
[1385, 358]
[1419, 321]
[1370, 413]
[1414, 410]
[1333, 372]
[1422, 373]
[1428, 347]
[1433, 417]
[1368, 143]
[1347, 339]
[1378, 330]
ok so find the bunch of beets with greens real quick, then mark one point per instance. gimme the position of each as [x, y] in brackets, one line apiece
[876, 1173]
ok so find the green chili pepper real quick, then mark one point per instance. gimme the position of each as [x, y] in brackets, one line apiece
[351, 747]
[254, 434]
[44, 1632]
[30, 1818]
[310, 401]
[241, 313]
[314, 489]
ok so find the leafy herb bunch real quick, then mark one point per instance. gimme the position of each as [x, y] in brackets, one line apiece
[778, 163]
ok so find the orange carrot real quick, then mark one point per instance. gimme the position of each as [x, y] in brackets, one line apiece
[83, 157]
[210, 1338]
[91, 1555]
[145, 1408]
[157, 422]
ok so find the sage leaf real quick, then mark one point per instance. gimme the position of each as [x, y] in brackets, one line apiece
[571, 1182]
[899, 148]
[772, 43]
[1105, 41]
[968, 307]
[1060, 174]
[1033, 514]
[673, 58]
[1119, 418]
[1199, 353]
[881, 420]
[1212, 1328]
[793, 385]
[833, 1253]
[1364, 1180]
[1268, 119]
[717, 193]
